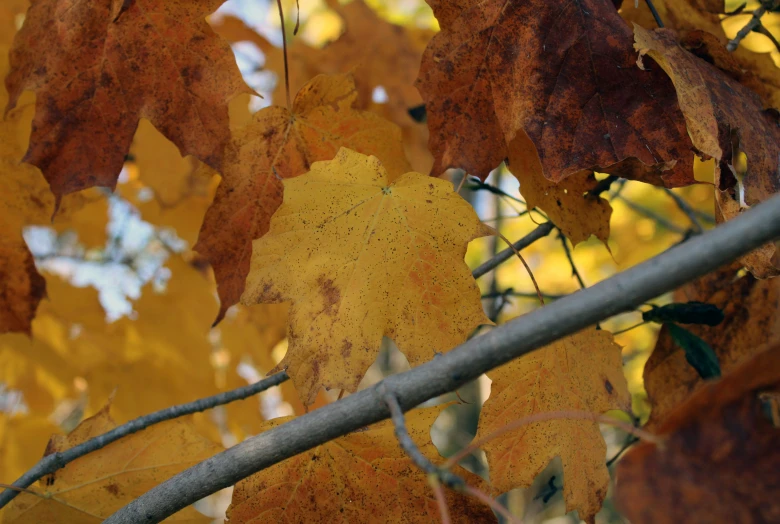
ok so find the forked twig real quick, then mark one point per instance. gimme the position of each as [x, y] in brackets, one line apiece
[441, 475]
[755, 22]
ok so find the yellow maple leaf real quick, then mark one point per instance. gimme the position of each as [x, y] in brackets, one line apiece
[582, 372]
[281, 144]
[92, 487]
[360, 258]
[364, 476]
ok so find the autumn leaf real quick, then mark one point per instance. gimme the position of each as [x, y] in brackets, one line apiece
[581, 372]
[362, 256]
[562, 72]
[567, 203]
[751, 311]
[725, 119]
[694, 18]
[364, 476]
[277, 145]
[92, 487]
[719, 459]
[98, 67]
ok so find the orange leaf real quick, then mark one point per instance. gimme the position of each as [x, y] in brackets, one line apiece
[98, 67]
[720, 457]
[277, 145]
[582, 372]
[361, 477]
[564, 73]
[91, 488]
[362, 257]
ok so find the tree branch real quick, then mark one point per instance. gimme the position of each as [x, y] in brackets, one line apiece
[542, 231]
[680, 264]
[51, 463]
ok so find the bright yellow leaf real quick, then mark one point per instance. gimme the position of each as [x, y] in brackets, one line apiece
[360, 258]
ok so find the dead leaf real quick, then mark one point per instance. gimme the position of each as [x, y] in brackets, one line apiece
[757, 70]
[91, 488]
[725, 119]
[580, 372]
[280, 144]
[98, 67]
[752, 317]
[364, 476]
[565, 74]
[362, 257]
[719, 459]
[566, 203]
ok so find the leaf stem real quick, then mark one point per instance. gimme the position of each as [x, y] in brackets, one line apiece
[284, 53]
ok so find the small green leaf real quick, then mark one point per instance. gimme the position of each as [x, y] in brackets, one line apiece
[685, 313]
[697, 352]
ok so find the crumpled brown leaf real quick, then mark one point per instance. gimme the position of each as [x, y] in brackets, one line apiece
[97, 67]
[564, 72]
[720, 456]
[725, 119]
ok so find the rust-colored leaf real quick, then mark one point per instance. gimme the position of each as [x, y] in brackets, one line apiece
[726, 121]
[580, 372]
[752, 317]
[361, 477]
[97, 67]
[278, 145]
[720, 456]
[362, 255]
[564, 72]
[92, 487]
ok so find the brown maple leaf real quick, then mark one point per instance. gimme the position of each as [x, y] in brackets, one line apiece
[564, 72]
[281, 144]
[720, 456]
[97, 67]
[727, 122]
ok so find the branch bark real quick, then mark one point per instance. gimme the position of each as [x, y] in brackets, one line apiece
[680, 264]
[51, 463]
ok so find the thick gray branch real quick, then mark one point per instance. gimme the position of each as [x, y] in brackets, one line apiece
[683, 263]
[51, 463]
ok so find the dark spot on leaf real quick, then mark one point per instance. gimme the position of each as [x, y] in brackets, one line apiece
[608, 386]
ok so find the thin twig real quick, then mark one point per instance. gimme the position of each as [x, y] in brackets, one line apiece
[687, 209]
[656, 16]
[663, 273]
[51, 463]
[629, 328]
[602, 186]
[444, 476]
[540, 232]
[493, 503]
[552, 415]
[284, 53]
[767, 33]
[441, 500]
[477, 185]
[521, 294]
[754, 22]
[566, 250]
[525, 264]
[652, 215]
[630, 441]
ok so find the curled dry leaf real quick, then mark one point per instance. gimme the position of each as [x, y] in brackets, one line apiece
[752, 317]
[277, 145]
[582, 372]
[364, 476]
[691, 18]
[719, 459]
[563, 72]
[726, 121]
[91, 488]
[98, 67]
[362, 256]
